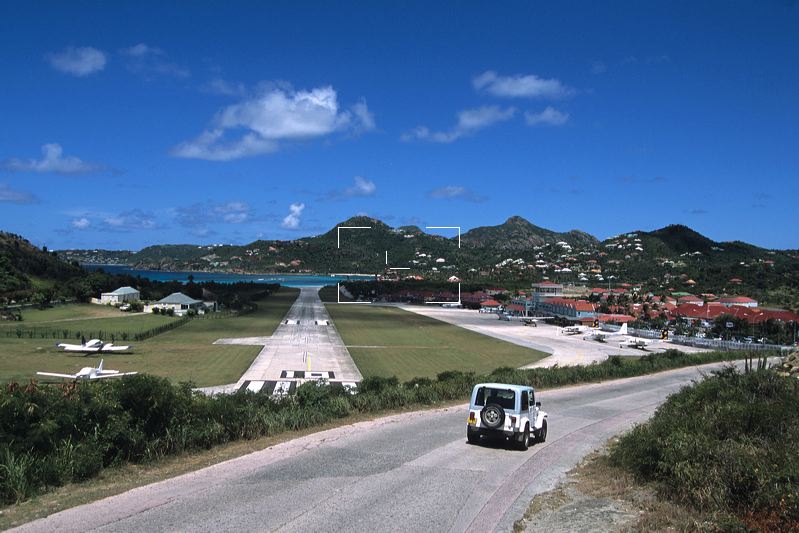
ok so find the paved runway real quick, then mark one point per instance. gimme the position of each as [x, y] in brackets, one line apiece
[305, 344]
[406, 472]
[563, 349]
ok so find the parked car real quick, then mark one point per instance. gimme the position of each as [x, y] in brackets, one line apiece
[506, 411]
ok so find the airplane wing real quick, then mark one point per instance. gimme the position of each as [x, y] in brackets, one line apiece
[114, 375]
[54, 375]
[80, 349]
[114, 348]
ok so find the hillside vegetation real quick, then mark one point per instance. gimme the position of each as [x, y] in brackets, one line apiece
[726, 445]
[53, 435]
[510, 253]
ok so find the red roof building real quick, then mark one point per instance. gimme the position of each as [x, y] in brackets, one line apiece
[738, 300]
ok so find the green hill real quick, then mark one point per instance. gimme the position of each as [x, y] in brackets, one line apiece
[517, 234]
[26, 269]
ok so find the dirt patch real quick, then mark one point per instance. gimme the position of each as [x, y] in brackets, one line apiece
[599, 497]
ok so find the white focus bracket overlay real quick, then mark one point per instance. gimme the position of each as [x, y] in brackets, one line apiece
[338, 245]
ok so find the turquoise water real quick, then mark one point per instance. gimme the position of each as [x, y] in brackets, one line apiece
[288, 280]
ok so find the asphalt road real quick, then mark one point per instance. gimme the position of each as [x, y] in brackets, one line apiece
[407, 472]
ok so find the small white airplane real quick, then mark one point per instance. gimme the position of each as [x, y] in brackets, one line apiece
[93, 346]
[89, 372]
[635, 342]
[572, 330]
[601, 336]
[534, 320]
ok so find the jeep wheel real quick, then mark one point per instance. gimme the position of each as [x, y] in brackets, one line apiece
[541, 434]
[492, 416]
[472, 435]
[523, 439]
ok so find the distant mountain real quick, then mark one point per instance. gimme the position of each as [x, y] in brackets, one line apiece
[517, 234]
[515, 250]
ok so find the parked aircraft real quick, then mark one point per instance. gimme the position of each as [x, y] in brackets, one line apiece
[576, 330]
[93, 346]
[572, 330]
[635, 342]
[89, 372]
[601, 336]
[534, 320]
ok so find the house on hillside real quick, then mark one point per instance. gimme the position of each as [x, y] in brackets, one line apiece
[120, 296]
[738, 300]
[179, 303]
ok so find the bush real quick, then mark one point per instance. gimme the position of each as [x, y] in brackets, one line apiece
[726, 445]
[51, 435]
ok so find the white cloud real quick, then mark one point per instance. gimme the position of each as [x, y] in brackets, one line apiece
[211, 147]
[451, 192]
[125, 221]
[152, 61]
[81, 223]
[362, 187]
[11, 196]
[469, 121]
[80, 61]
[549, 116]
[198, 214]
[130, 220]
[274, 116]
[598, 67]
[520, 86]
[365, 118]
[292, 220]
[233, 212]
[52, 161]
[224, 87]
[142, 50]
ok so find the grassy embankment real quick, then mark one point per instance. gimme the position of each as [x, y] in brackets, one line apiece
[183, 354]
[387, 341]
[726, 447]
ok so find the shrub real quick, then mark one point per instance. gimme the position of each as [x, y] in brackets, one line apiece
[726, 445]
[50, 435]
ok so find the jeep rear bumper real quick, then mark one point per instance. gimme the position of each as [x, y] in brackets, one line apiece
[507, 433]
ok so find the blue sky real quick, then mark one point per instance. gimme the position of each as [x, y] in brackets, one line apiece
[144, 123]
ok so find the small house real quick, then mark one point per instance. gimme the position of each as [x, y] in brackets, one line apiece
[120, 296]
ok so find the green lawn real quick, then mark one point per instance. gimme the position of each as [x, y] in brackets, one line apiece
[403, 344]
[183, 354]
[66, 312]
[89, 327]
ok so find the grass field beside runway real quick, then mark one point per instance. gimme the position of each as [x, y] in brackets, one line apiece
[66, 312]
[183, 354]
[87, 327]
[388, 341]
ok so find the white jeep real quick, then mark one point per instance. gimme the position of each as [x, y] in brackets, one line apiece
[507, 411]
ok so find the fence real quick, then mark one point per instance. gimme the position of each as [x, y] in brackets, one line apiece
[113, 336]
[710, 344]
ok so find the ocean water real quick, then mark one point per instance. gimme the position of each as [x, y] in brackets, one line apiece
[288, 280]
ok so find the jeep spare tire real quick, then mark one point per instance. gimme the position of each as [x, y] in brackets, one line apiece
[492, 416]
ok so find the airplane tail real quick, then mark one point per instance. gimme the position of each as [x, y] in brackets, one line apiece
[623, 329]
[100, 368]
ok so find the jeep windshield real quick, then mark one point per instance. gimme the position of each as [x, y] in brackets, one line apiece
[505, 398]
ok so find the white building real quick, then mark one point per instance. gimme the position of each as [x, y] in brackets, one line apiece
[120, 296]
[179, 302]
